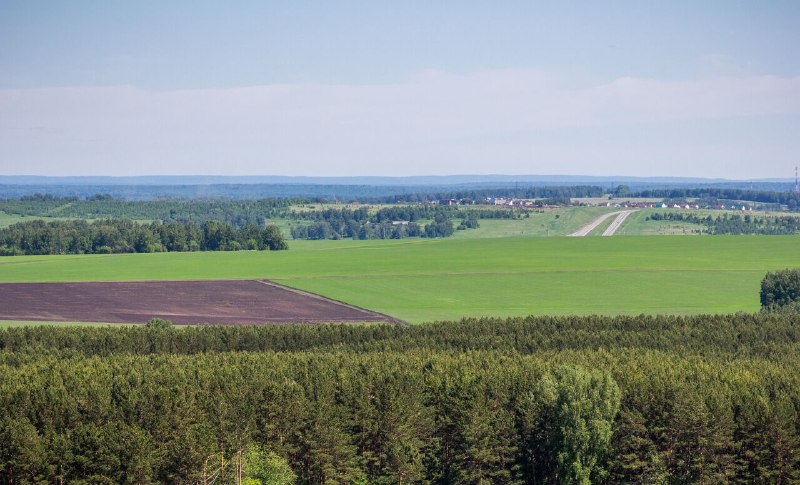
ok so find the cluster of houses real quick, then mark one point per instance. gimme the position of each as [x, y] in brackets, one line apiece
[497, 201]
[508, 202]
[740, 207]
[664, 205]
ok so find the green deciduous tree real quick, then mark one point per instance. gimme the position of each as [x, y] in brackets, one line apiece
[159, 323]
[266, 468]
[583, 405]
[781, 289]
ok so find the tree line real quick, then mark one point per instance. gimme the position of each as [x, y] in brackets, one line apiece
[736, 224]
[388, 222]
[789, 199]
[704, 399]
[237, 213]
[439, 227]
[780, 292]
[234, 191]
[479, 195]
[757, 336]
[126, 236]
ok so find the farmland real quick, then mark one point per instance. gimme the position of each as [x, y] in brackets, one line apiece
[661, 333]
[422, 280]
[183, 302]
[8, 219]
[548, 222]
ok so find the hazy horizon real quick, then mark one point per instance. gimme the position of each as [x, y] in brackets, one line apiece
[418, 180]
[707, 90]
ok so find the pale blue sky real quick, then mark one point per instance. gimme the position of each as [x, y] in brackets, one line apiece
[400, 88]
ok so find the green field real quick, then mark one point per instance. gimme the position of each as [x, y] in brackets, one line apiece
[422, 280]
[637, 224]
[549, 222]
[8, 219]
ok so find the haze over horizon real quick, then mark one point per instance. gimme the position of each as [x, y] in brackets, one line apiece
[677, 90]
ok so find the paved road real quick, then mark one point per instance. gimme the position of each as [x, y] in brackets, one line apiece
[590, 227]
[616, 223]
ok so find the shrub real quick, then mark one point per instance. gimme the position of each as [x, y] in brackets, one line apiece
[159, 323]
[781, 289]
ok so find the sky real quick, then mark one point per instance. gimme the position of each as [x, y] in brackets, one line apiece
[635, 88]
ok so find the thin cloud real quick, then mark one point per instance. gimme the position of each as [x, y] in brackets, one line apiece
[434, 117]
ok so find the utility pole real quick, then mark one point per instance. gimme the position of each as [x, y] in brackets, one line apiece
[796, 182]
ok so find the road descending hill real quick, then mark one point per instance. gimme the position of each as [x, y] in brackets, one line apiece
[617, 222]
[592, 225]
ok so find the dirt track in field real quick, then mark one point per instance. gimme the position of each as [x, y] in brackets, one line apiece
[183, 302]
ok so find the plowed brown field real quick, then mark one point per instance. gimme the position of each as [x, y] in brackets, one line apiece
[184, 302]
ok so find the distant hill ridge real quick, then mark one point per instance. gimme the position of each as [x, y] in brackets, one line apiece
[340, 188]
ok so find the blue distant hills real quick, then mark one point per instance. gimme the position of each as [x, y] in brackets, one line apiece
[339, 188]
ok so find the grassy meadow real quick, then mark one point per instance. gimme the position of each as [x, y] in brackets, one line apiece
[8, 219]
[637, 224]
[422, 280]
[547, 222]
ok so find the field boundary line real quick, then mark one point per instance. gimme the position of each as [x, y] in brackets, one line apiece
[389, 318]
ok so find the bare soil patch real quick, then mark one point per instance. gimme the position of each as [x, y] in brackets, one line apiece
[184, 302]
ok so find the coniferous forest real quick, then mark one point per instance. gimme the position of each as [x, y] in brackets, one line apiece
[639, 399]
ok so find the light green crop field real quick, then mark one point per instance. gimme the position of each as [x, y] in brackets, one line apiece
[637, 224]
[549, 222]
[8, 219]
[421, 280]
